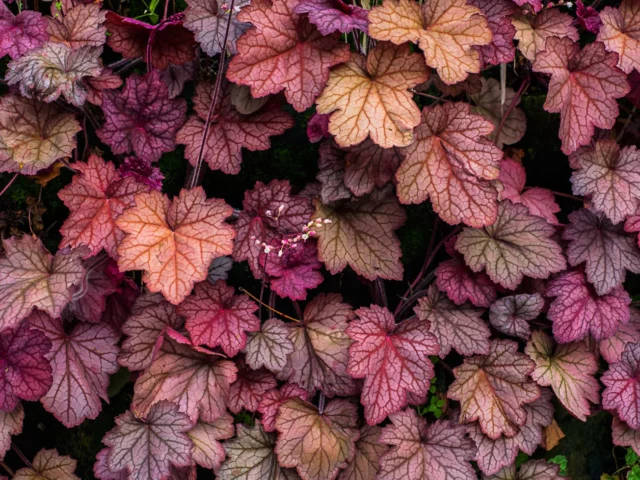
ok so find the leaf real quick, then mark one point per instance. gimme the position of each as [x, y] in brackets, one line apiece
[494, 454]
[370, 97]
[609, 176]
[488, 103]
[452, 164]
[250, 386]
[208, 451]
[498, 14]
[533, 32]
[49, 465]
[89, 299]
[619, 33]
[269, 347]
[624, 436]
[174, 241]
[611, 348]
[263, 220]
[318, 444]
[172, 43]
[209, 19]
[334, 16]
[197, 382]
[446, 32]
[217, 317]
[361, 235]
[458, 327]
[107, 80]
[440, 451]
[511, 314]
[31, 277]
[579, 311]
[80, 26]
[148, 446]
[150, 316]
[366, 462]
[95, 197]
[539, 201]
[369, 166]
[287, 46]
[271, 401]
[229, 131]
[531, 470]
[19, 34]
[25, 373]
[568, 369]
[251, 456]
[393, 360]
[33, 134]
[141, 118]
[101, 469]
[622, 387]
[493, 389]
[320, 356]
[219, 269]
[295, 271]
[10, 424]
[584, 87]
[534, 5]
[588, 17]
[176, 76]
[604, 247]
[460, 283]
[142, 172]
[82, 361]
[517, 244]
[318, 127]
[552, 436]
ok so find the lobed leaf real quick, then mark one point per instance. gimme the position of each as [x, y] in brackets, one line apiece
[622, 388]
[49, 465]
[511, 314]
[619, 33]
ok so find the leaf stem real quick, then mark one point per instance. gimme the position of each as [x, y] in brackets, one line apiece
[18, 452]
[243, 290]
[7, 469]
[382, 293]
[523, 86]
[6, 187]
[626, 124]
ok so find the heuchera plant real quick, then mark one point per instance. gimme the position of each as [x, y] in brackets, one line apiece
[286, 331]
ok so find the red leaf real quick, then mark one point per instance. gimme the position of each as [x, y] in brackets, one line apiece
[142, 172]
[208, 451]
[249, 388]
[271, 401]
[295, 271]
[279, 37]
[498, 13]
[318, 127]
[21, 33]
[393, 360]
[622, 386]
[511, 314]
[25, 372]
[10, 424]
[333, 16]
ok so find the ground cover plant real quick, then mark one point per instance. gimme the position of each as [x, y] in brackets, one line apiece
[317, 240]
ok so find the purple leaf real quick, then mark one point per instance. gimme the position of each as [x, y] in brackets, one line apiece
[333, 16]
[19, 34]
[622, 386]
[511, 315]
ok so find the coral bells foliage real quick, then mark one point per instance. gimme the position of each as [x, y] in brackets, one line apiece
[273, 322]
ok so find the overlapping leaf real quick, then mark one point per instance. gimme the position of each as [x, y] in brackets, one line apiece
[334, 15]
[625, 436]
[269, 347]
[79, 26]
[293, 52]
[622, 386]
[511, 314]
[19, 34]
[249, 388]
[452, 164]
[533, 32]
[107, 80]
[366, 462]
[10, 424]
[588, 17]
[620, 33]
[611, 348]
[208, 451]
[89, 299]
[531, 470]
[174, 241]
[49, 465]
[498, 13]
[142, 171]
[294, 271]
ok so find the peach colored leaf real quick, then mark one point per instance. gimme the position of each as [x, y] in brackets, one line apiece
[517, 244]
[539, 201]
[19, 34]
[361, 235]
[458, 327]
[620, 33]
[31, 277]
[366, 462]
[493, 389]
[370, 97]
[208, 451]
[584, 87]
[208, 20]
[216, 317]
[531, 470]
[611, 348]
[150, 315]
[447, 32]
[334, 16]
[33, 134]
[532, 32]
[198, 382]
[250, 386]
[501, 48]
[25, 372]
[82, 361]
[79, 26]
[607, 250]
[625, 436]
[495, 454]
[174, 241]
[95, 197]
[452, 164]
[622, 386]
[511, 314]
[283, 51]
[271, 401]
[317, 443]
[251, 456]
[148, 446]
[568, 369]
[321, 347]
[440, 451]
[488, 103]
[392, 358]
[10, 424]
[610, 177]
[229, 131]
[579, 311]
[49, 465]
[294, 271]
[270, 347]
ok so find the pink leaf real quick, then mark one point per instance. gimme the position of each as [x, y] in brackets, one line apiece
[142, 172]
[270, 347]
[10, 424]
[511, 315]
[208, 451]
[333, 16]
[249, 388]
[271, 401]
[318, 127]
[588, 17]
[622, 386]
[611, 348]
[530, 470]
[624, 436]
[21, 33]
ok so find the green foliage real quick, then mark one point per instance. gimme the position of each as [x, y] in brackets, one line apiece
[560, 460]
